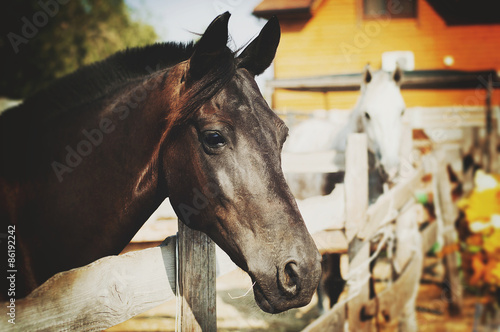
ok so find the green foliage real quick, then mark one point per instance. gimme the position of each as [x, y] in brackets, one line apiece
[42, 40]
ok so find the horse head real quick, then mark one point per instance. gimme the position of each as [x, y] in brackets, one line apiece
[223, 171]
[380, 109]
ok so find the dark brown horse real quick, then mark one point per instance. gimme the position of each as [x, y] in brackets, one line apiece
[86, 161]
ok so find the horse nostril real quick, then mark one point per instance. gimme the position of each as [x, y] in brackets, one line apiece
[289, 279]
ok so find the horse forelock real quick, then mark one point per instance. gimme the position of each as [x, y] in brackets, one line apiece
[201, 91]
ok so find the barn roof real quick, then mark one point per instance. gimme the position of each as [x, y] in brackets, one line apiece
[286, 9]
[417, 79]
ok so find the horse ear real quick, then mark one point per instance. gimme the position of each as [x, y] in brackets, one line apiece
[211, 45]
[397, 76]
[259, 54]
[367, 75]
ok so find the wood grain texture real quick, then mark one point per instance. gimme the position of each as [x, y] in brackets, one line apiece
[392, 301]
[390, 201]
[99, 295]
[197, 272]
[310, 162]
[448, 213]
[356, 200]
[332, 320]
[406, 227]
[330, 242]
[356, 184]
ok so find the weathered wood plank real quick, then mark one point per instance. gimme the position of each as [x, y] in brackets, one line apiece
[313, 162]
[447, 117]
[356, 200]
[99, 295]
[333, 320]
[391, 201]
[405, 224]
[448, 213]
[324, 212]
[398, 301]
[429, 236]
[406, 149]
[356, 184]
[330, 241]
[392, 301]
[196, 272]
[493, 147]
[104, 293]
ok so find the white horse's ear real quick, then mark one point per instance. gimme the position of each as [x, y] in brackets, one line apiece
[397, 75]
[367, 75]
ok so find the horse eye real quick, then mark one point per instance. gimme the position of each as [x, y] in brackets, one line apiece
[213, 139]
[403, 112]
[367, 116]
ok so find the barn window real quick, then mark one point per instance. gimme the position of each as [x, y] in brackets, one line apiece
[394, 8]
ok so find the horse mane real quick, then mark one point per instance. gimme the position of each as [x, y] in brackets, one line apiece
[20, 125]
[98, 79]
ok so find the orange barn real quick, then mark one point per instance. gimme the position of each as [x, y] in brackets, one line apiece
[331, 37]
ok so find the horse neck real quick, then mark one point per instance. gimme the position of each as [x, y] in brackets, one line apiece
[123, 169]
[141, 133]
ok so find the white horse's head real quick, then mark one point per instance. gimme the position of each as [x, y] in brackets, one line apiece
[379, 113]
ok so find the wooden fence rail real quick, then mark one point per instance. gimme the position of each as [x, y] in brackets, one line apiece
[114, 289]
[362, 224]
[99, 295]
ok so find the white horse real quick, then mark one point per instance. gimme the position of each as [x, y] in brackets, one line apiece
[377, 113]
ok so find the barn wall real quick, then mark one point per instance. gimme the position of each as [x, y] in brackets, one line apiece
[337, 40]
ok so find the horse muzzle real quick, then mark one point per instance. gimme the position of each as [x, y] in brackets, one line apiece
[285, 286]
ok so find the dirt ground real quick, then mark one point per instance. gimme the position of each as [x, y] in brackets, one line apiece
[242, 314]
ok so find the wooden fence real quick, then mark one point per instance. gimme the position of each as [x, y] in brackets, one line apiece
[114, 289]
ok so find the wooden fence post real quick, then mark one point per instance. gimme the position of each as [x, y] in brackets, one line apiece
[196, 276]
[356, 200]
[448, 213]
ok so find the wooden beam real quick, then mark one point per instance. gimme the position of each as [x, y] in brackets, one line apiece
[447, 211]
[392, 200]
[488, 125]
[429, 236]
[99, 295]
[405, 223]
[446, 117]
[312, 162]
[356, 200]
[392, 301]
[412, 80]
[491, 140]
[356, 184]
[104, 293]
[493, 147]
[324, 212]
[332, 320]
[196, 274]
[331, 242]
[398, 301]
